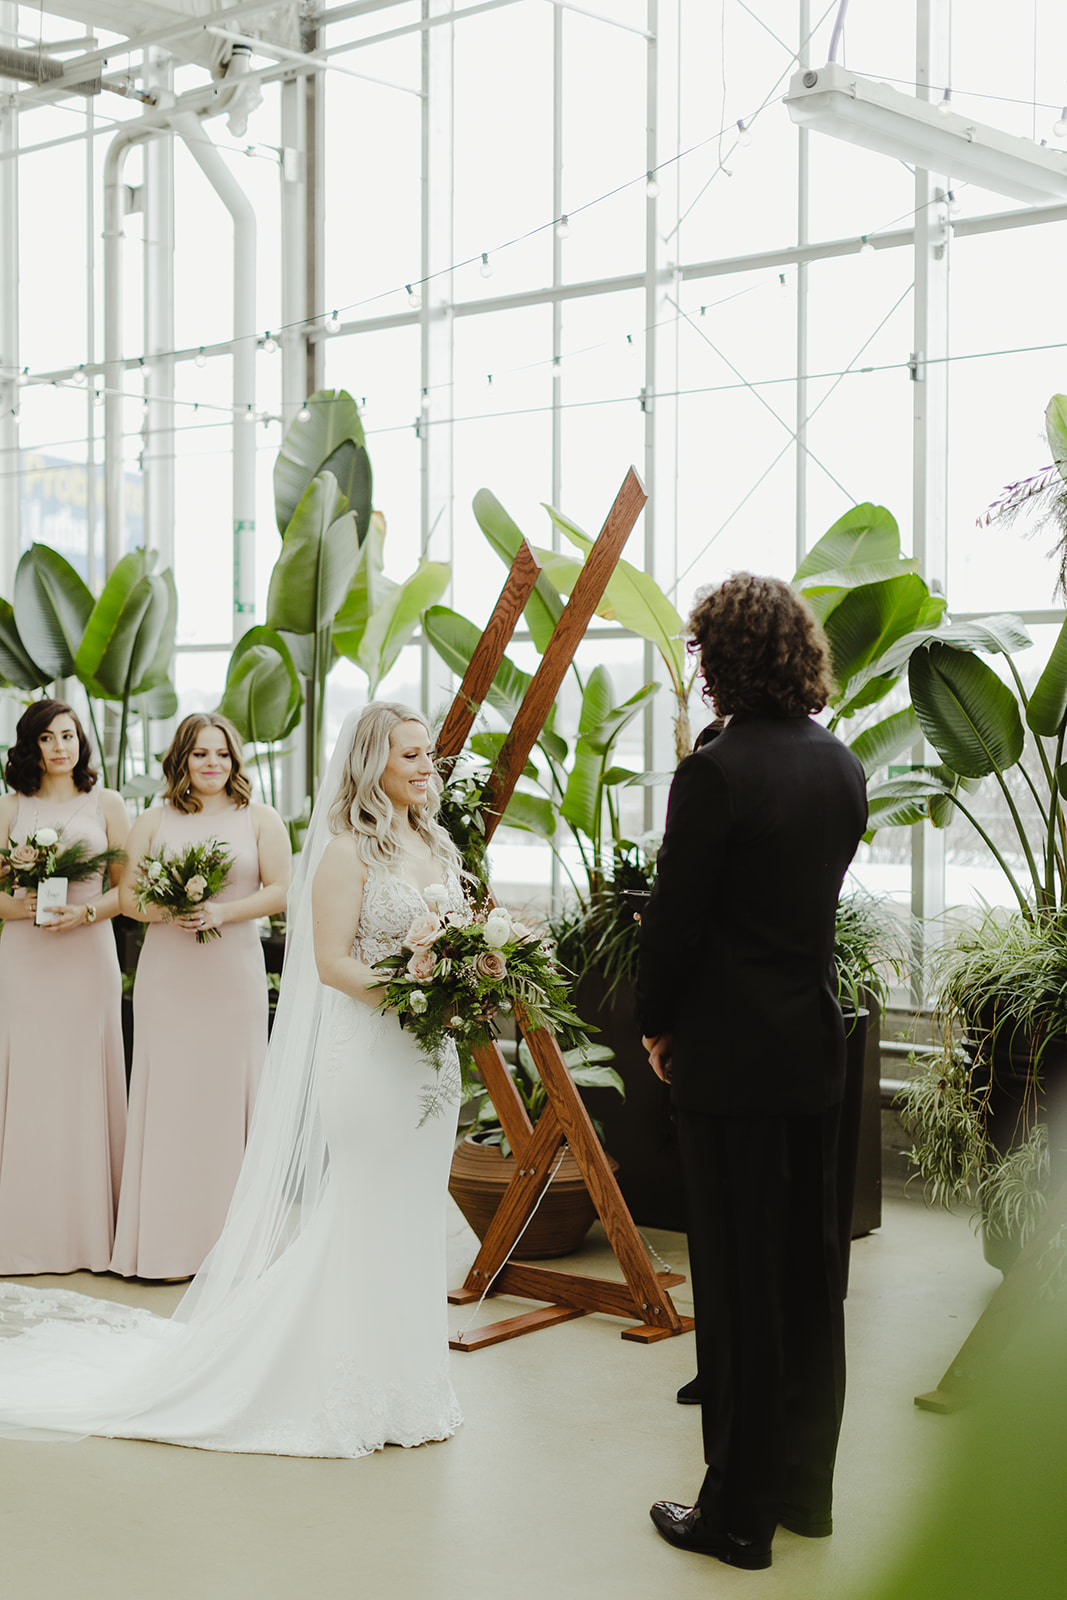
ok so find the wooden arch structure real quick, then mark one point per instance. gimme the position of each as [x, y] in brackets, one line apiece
[644, 1294]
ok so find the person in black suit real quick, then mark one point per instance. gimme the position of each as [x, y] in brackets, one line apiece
[737, 1002]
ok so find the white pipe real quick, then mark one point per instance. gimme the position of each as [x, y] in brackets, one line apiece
[114, 372]
[206, 155]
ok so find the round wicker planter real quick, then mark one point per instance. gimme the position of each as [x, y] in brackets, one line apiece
[478, 1178]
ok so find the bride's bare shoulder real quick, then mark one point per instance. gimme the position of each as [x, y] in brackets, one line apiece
[341, 857]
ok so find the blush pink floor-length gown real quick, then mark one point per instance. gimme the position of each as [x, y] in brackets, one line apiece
[199, 1039]
[62, 1075]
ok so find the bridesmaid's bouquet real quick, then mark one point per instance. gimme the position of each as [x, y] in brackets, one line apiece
[179, 881]
[454, 973]
[43, 854]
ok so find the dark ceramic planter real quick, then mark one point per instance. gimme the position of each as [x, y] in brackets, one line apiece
[1019, 1094]
[639, 1130]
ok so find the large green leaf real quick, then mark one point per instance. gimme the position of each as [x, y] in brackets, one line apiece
[129, 664]
[1002, 633]
[582, 799]
[969, 715]
[545, 605]
[924, 794]
[17, 666]
[635, 600]
[157, 674]
[106, 613]
[52, 609]
[454, 638]
[159, 703]
[532, 813]
[853, 577]
[393, 624]
[602, 738]
[866, 533]
[369, 589]
[330, 440]
[314, 571]
[886, 740]
[1048, 703]
[869, 620]
[262, 697]
[1056, 430]
[487, 744]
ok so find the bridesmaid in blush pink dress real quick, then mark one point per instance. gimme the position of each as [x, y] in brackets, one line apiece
[199, 1010]
[62, 1079]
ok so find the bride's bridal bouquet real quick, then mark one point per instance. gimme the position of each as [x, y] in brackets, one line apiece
[455, 972]
[179, 881]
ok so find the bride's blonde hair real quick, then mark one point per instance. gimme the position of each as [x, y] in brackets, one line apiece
[362, 806]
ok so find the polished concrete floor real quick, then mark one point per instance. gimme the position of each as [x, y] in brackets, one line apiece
[570, 1434]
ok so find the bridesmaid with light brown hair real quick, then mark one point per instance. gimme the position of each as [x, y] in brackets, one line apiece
[200, 1009]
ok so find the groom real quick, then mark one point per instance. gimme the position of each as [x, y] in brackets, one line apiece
[738, 1007]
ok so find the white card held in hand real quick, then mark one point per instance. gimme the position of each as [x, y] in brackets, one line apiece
[51, 897]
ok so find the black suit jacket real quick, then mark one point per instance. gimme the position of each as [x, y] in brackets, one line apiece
[737, 941]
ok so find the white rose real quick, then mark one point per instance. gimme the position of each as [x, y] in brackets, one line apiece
[46, 837]
[497, 930]
[434, 894]
[418, 1002]
[195, 887]
[154, 871]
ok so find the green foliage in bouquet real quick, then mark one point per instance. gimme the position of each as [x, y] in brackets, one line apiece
[180, 881]
[42, 854]
[453, 974]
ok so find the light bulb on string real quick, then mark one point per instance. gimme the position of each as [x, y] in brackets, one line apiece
[414, 297]
[333, 322]
[744, 137]
[944, 105]
[651, 185]
[954, 203]
[563, 227]
[783, 287]
[866, 247]
[1059, 127]
[303, 415]
[424, 404]
[98, 397]
[486, 268]
[23, 377]
[249, 415]
[81, 377]
[557, 365]
[269, 345]
[200, 359]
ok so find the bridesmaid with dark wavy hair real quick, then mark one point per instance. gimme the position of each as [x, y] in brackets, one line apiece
[62, 1079]
[200, 1010]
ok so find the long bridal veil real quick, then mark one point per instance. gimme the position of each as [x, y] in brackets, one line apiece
[75, 1365]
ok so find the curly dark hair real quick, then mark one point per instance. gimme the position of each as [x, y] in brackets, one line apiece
[761, 648]
[176, 762]
[23, 769]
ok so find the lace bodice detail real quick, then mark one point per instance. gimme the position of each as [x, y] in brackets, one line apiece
[390, 905]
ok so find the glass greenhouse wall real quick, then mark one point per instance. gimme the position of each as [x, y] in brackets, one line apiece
[538, 242]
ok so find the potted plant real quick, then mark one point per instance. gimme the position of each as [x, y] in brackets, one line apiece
[981, 1110]
[482, 1165]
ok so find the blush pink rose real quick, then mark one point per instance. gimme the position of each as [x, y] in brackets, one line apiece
[490, 964]
[23, 855]
[423, 932]
[420, 967]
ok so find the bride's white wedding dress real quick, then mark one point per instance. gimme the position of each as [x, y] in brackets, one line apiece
[318, 1332]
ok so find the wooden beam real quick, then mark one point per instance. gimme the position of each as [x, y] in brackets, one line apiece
[540, 697]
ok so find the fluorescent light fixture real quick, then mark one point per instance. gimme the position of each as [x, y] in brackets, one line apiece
[834, 101]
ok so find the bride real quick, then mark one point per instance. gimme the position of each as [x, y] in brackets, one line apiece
[316, 1327]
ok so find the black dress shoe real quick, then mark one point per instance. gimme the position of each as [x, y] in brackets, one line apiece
[685, 1527]
[809, 1524]
[690, 1393]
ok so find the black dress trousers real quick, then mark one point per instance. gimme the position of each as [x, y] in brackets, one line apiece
[765, 1261]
